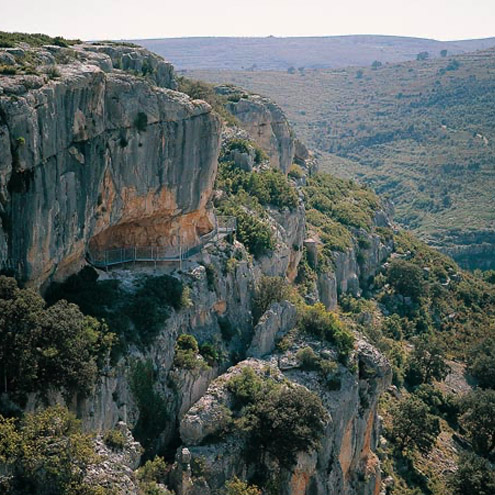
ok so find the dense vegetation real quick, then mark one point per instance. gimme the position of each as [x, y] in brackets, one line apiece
[135, 316]
[46, 454]
[247, 193]
[281, 419]
[427, 312]
[47, 347]
[335, 208]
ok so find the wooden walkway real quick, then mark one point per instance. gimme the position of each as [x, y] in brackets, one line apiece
[155, 254]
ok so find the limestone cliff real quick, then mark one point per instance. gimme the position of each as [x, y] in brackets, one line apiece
[93, 154]
[265, 122]
[99, 151]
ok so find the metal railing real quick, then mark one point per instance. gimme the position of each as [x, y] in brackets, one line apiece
[154, 254]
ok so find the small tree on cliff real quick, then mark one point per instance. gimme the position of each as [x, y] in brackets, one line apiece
[413, 426]
[426, 361]
[237, 487]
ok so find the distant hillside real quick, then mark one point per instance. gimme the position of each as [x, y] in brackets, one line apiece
[422, 133]
[273, 53]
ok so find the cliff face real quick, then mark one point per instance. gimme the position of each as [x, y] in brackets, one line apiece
[98, 156]
[345, 455]
[266, 123]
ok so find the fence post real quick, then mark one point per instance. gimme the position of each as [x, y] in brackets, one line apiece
[180, 254]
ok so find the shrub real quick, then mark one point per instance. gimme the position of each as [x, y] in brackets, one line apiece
[237, 487]
[153, 413]
[47, 453]
[151, 476]
[187, 353]
[474, 475]
[209, 353]
[269, 290]
[317, 321]
[413, 426]
[279, 418]
[288, 420]
[246, 387]
[153, 470]
[8, 70]
[269, 187]
[141, 122]
[48, 347]
[254, 233]
[478, 420]
[53, 72]
[201, 90]
[481, 362]
[426, 361]
[114, 439]
[440, 404]
[146, 309]
[308, 359]
[406, 278]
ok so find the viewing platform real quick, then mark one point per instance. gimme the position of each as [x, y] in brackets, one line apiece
[153, 254]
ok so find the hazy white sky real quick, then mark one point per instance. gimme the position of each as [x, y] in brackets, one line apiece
[118, 19]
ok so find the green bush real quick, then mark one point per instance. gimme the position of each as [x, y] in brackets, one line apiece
[46, 453]
[440, 404]
[141, 122]
[54, 347]
[308, 359]
[253, 232]
[210, 353]
[474, 475]
[189, 356]
[426, 362]
[114, 439]
[151, 477]
[413, 426]
[269, 290]
[481, 362]
[200, 90]
[478, 420]
[296, 172]
[317, 321]
[279, 418]
[269, 187]
[145, 310]
[237, 487]
[153, 413]
[246, 387]
[407, 279]
[10, 40]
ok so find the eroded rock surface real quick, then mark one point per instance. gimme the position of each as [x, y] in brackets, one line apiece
[96, 154]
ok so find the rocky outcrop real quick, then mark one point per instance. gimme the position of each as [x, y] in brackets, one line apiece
[353, 268]
[115, 467]
[470, 249]
[273, 325]
[289, 228]
[96, 156]
[347, 452]
[266, 123]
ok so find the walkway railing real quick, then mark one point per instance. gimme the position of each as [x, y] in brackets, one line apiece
[154, 254]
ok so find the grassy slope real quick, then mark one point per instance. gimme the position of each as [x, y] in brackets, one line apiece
[415, 131]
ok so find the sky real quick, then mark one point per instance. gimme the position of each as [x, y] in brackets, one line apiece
[135, 19]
